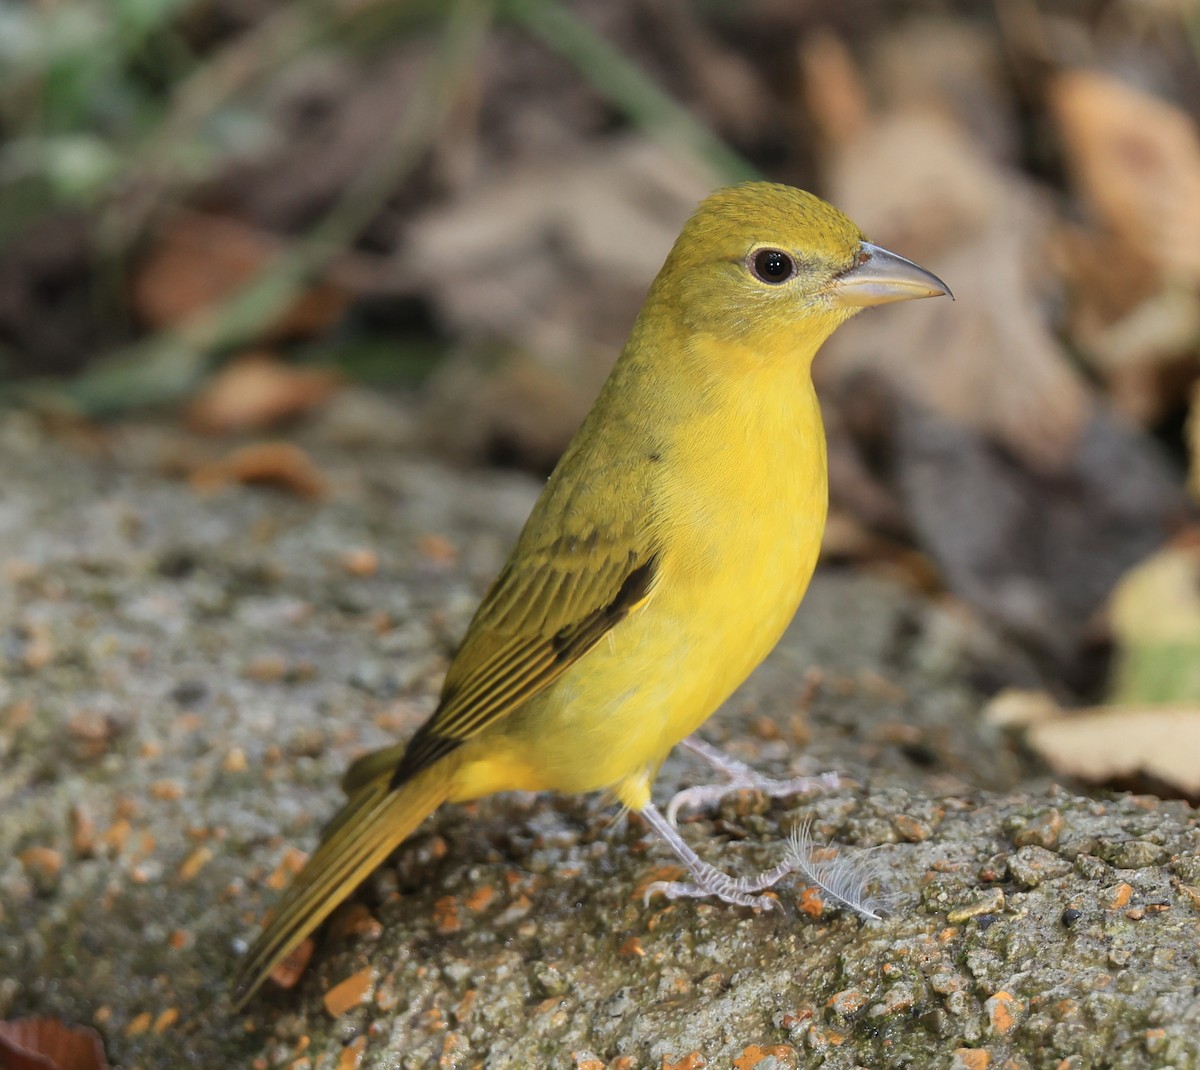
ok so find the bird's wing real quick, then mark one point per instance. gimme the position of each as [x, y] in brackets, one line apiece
[548, 607]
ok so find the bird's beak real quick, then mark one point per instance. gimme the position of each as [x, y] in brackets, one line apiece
[879, 277]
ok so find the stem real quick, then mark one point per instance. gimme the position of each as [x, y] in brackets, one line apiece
[627, 85]
[166, 366]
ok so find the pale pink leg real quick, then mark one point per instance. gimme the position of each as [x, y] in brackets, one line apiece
[739, 776]
[706, 879]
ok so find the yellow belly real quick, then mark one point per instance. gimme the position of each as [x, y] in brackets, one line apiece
[741, 545]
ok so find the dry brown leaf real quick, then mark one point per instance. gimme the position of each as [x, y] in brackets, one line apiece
[1120, 742]
[349, 993]
[508, 258]
[288, 972]
[989, 361]
[1135, 310]
[993, 441]
[1137, 161]
[1107, 278]
[1107, 743]
[352, 1054]
[199, 261]
[49, 1044]
[1139, 334]
[510, 408]
[834, 94]
[279, 464]
[553, 260]
[846, 539]
[1019, 708]
[257, 391]
[951, 66]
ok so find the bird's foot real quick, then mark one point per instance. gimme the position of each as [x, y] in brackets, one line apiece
[726, 888]
[708, 880]
[740, 777]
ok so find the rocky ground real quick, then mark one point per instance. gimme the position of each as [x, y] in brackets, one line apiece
[184, 676]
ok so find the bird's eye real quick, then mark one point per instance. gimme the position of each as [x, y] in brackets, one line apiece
[772, 265]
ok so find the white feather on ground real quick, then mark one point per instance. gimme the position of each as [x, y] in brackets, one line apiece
[852, 879]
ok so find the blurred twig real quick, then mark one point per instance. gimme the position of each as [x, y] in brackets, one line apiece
[162, 166]
[626, 85]
[167, 365]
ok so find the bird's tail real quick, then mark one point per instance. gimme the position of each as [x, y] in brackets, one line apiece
[373, 823]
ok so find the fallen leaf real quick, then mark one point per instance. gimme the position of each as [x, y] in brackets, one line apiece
[1146, 355]
[1116, 743]
[289, 865]
[992, 438]
[195, 862]
[1106, 744]
[1019, 708]
[352, 1054]
[197, 261]
[257, 391]
[1136, 159]
[494, 260]
[279, 464]
[349, 993]
[951, 66]
[1039, 552]
[49, 1044]
[989, 361]
[1154, 614]
[834, 94]
[1135, 310]
[505, 406]
[360, 561]
[289, 971]
[551, 261]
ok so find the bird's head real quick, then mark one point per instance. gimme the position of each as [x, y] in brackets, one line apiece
[779, 269]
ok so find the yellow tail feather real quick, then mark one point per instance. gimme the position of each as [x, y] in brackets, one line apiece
[372, 824]
[372, 766]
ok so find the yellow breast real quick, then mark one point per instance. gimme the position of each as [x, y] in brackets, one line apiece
[740, 508]
[747, 510]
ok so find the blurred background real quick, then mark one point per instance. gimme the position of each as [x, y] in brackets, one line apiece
[434, 221]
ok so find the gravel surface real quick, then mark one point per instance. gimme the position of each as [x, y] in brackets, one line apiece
[184, 677]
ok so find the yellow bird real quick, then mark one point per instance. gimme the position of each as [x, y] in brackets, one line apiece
[663, 560]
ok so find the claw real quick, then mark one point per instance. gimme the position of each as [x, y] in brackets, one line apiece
[688, 890]
[689, 797]
[708, 880]
[707, 794]
[739, 777]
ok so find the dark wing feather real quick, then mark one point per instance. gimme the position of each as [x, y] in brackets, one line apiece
[546, 610]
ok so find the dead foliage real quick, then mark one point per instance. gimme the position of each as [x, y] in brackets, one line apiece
[1022, 449]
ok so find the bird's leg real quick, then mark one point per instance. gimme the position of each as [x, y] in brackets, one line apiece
[706, 879]
[738, 776]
